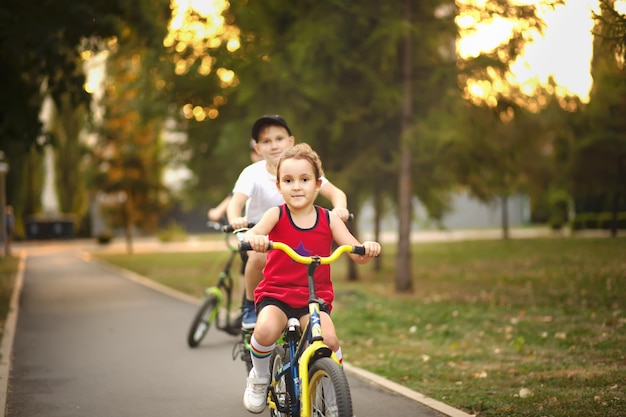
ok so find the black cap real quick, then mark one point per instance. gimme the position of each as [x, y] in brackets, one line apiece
[268, 120]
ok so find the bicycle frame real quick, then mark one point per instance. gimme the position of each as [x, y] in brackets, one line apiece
[217, 298]
[302, 352]
[223, 291]
[309, 347]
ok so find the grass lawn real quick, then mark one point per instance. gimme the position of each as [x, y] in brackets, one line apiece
[532, 327]
[8, 272]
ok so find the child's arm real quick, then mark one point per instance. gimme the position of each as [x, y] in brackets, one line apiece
[337, 198]
[235, 208]
[216, 213]
[257, 236]
[342, 236]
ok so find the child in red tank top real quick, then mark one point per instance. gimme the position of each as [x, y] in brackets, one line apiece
[309, 230]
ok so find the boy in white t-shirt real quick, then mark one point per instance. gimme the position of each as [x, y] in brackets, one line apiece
[255, 190]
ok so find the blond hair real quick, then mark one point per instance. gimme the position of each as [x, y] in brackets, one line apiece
[302, 151]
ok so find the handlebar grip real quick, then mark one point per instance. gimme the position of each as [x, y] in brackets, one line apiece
[244, 246]
[229, 229]
[359, 250]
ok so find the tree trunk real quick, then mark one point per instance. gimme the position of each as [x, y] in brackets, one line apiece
[404, 282]
[128, 222]
[621, 177]
[614, 214]
[505, 216]
[378, 209]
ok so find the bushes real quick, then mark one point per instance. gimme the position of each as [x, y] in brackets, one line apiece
[600, 220]
[105, 237]
[173, 233]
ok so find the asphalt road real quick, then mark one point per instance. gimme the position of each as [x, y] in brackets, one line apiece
[91, 342]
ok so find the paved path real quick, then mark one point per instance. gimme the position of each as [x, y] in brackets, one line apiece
[89, 341]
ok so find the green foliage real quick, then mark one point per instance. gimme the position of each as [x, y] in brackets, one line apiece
[8, 271]
[40, 56]
[612, 27]
[67, 124]
[172, 233]
[601, 220]
[559, 201]
[600, 148]
[335, 71]
[105, 237]
[125, 163]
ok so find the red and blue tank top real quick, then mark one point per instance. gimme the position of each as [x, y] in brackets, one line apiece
[286, 280]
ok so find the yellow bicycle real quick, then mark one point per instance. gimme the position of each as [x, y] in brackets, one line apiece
[307, 379]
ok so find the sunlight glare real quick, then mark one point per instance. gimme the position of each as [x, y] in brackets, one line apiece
[198, 26]
[563, 51]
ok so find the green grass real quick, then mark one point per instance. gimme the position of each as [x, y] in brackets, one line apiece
[497, 328]
[8, 272]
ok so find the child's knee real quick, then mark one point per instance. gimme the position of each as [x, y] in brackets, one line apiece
[332, 342]
[264, 335]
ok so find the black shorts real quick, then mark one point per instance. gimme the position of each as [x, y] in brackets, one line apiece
[288, 310]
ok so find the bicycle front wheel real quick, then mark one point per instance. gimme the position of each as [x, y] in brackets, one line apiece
[281, 387]
[202, 321]
[329, 392]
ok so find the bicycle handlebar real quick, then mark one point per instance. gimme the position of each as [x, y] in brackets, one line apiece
[227, 228]
[214, 225]
[356, 249]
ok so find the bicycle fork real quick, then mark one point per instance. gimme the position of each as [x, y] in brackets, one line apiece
[289, 373]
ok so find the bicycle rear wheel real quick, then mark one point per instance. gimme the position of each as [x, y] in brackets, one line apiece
[329, 392]
[202, 321]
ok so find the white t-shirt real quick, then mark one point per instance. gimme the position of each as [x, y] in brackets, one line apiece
[259, 186]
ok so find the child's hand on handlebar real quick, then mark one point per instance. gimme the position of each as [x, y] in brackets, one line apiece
[239, 223]
[342, 213]
[259, 243]
[372, 249]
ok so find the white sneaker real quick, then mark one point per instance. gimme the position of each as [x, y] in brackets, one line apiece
[255, 396]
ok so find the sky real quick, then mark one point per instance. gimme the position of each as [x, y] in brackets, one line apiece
[563, 51]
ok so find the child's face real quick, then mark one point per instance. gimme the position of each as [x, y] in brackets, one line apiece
[273, 140]
[297, 183]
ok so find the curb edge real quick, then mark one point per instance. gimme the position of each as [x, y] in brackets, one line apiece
[8, 333]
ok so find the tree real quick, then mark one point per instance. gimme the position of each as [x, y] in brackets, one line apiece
[496, 139]
[67, 125]
[334, 71]
[126, 164]
[611, 27]
[40, 55]
[602, 149]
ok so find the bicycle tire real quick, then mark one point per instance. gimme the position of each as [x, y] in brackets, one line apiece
[283, 386]
[202, 321]
[329, 392]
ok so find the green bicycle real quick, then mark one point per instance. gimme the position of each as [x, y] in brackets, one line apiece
[306, 377]
[217, 302]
